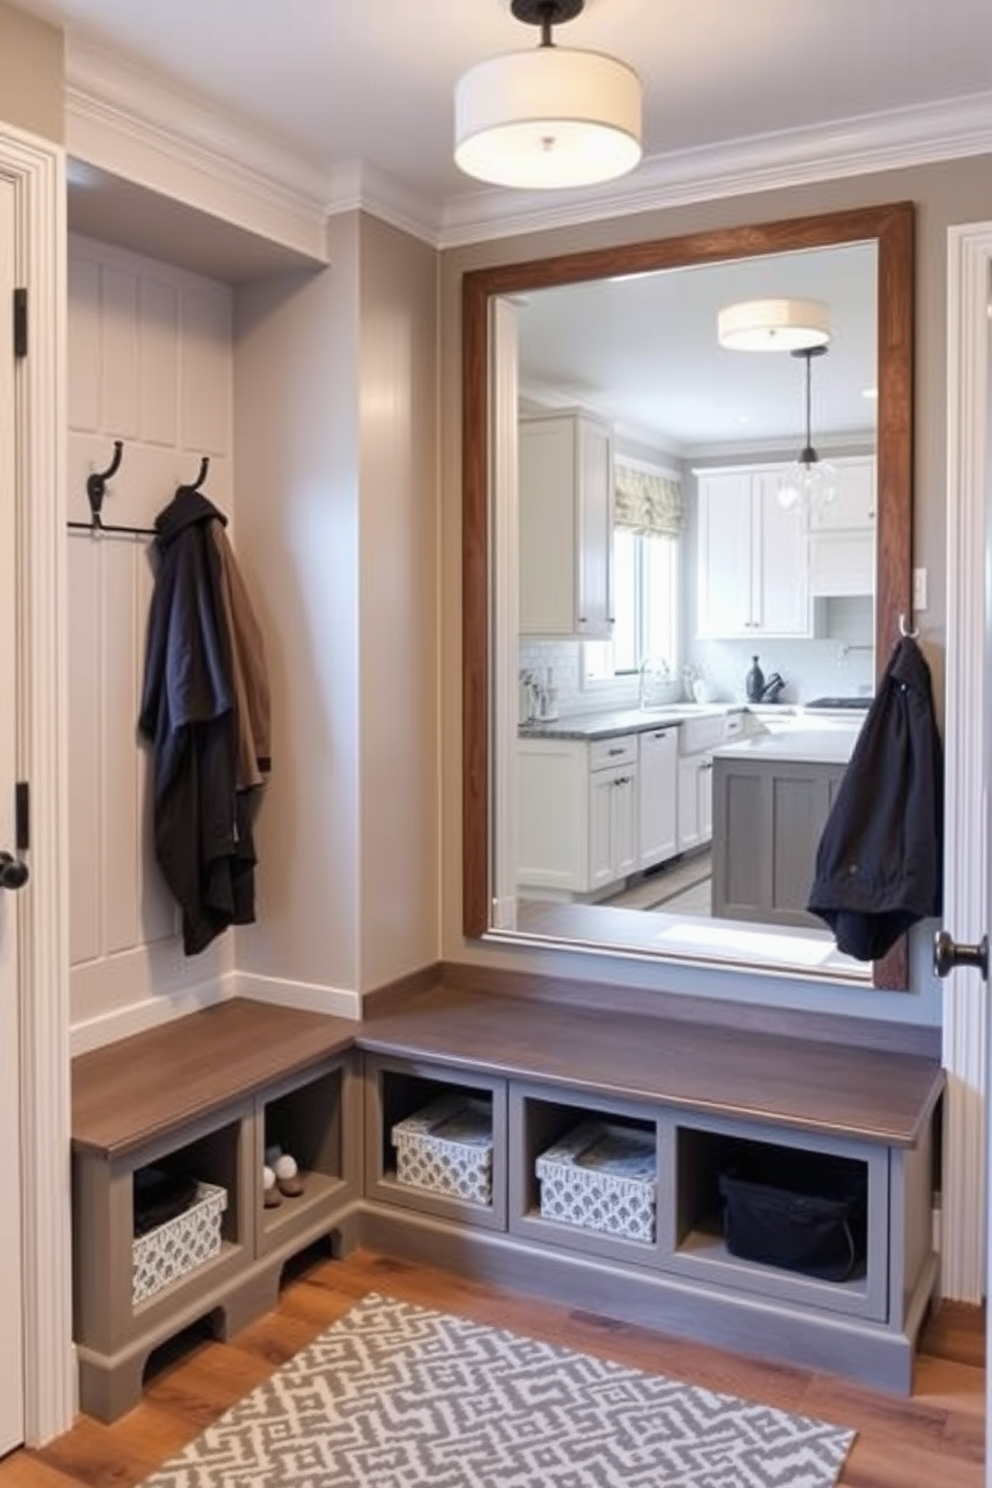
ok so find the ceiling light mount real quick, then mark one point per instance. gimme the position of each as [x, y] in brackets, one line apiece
[549, 117]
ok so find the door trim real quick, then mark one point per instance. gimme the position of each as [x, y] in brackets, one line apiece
[969, 263]
[36, 169]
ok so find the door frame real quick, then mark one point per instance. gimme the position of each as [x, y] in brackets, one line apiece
[36, 168]
[963, 1228]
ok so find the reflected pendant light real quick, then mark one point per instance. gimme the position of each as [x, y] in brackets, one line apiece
[550, 117]
[809, 480]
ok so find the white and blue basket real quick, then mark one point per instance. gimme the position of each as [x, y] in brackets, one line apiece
[447, 1148]
[601, 1177]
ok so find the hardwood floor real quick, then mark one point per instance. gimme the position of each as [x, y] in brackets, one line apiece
[935, 1439]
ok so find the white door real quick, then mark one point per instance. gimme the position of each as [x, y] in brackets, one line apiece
[11, 1320]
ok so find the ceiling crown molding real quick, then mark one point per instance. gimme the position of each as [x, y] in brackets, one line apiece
[134, 123]
[357, 186]
[947, 130]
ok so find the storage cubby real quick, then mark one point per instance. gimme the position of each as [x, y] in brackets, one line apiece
[540, 1121]
[199, 1101]
[303, 1116]
[399, 1090]
[806, 1166]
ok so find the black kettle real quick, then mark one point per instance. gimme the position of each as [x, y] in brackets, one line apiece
[773, 686]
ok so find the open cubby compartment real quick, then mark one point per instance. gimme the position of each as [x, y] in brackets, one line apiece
[792, 1162]
[305, 1116]
[397, 1090]
[542, 1119]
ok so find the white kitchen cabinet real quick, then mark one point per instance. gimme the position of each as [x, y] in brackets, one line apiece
[577, 829]
[657, 782]
[566, 526]
[752, 557]
[842, 534]
[695, 801]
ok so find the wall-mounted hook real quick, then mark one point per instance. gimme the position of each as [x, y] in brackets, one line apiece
[195, 485]
[905, 631]
[96, 484]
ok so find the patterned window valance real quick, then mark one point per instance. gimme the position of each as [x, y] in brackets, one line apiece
[648, 503]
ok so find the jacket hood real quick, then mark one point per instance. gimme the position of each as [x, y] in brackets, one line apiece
[185, 509]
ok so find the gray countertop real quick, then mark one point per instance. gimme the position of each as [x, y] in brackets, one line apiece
[606, 725]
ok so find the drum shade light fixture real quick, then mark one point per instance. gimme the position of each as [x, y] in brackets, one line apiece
[550, 117]
[774, 325]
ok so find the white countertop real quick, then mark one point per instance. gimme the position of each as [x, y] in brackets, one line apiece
[826, 746]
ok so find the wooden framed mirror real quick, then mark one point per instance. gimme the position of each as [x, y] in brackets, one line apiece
[890, 228]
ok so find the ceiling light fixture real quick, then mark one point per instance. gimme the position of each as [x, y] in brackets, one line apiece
[809, 479]
[773, 325]
[550, 117]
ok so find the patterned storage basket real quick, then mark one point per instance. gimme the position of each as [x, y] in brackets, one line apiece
[175, 1248]
[447, 1148]
[601, 1177]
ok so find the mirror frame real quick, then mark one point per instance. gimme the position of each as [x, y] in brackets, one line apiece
[891, 227]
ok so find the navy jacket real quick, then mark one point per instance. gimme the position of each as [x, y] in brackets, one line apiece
[879, 861]
[203, 835]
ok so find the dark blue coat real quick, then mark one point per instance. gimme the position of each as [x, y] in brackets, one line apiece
[203, 833]
[879, 861]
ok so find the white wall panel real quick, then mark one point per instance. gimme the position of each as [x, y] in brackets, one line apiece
[84, 752]
[206, 372]
[84, 343]
[150, 364]
[159, 352]
[119, 389]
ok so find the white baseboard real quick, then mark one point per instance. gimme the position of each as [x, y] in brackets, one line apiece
[150, 1012]
[310, 996]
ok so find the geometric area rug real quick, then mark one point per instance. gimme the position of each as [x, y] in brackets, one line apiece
[398, 1396]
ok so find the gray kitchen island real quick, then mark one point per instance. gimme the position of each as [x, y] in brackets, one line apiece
[772, 794]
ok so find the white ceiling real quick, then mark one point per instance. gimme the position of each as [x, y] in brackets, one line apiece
[372, 80]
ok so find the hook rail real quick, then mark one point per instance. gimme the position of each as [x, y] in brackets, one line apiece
[96, 490]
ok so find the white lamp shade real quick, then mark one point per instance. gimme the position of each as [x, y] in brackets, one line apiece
[774, 325]
[550, 117]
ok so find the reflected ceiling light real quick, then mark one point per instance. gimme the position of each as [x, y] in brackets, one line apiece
[550, 117]
[809, 479]
[774, 325]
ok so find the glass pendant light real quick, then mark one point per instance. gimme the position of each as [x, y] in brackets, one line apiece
[808, 480]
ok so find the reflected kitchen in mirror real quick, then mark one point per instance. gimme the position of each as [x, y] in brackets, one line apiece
[692, 649]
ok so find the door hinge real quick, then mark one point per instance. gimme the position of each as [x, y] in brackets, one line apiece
[20, 322]
[22, 815]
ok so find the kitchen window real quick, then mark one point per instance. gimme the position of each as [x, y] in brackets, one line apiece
[645, 607]
[647, 555]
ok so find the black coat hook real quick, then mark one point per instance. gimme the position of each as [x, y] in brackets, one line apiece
[96, 484]
[195, 486]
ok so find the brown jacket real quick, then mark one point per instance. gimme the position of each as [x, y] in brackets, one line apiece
[251, 681]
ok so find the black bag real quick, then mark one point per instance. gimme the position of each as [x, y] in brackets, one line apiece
[810, 1219]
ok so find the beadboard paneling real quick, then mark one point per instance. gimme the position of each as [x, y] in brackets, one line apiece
[150, 363]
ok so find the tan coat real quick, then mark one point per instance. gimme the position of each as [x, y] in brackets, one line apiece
[251, 681]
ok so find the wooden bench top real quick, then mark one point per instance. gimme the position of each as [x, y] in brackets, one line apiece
[141, 1087]
[868, 1094]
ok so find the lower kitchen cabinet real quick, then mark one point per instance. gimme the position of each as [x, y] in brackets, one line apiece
[695, 801]
[577, 828]
[657, 779]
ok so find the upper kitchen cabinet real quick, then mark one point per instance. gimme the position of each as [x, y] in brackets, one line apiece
[566, 526]
[752, 557]
[842, 533]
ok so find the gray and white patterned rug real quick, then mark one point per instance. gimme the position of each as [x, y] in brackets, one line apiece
[396, 1396]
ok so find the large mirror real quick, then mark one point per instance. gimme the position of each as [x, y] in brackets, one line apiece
[630, 547]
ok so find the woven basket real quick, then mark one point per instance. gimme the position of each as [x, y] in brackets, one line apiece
[174, 1249]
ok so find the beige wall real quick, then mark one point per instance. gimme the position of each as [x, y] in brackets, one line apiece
[31, 74]
[945, 193]
[399, 890]
[335, 431]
